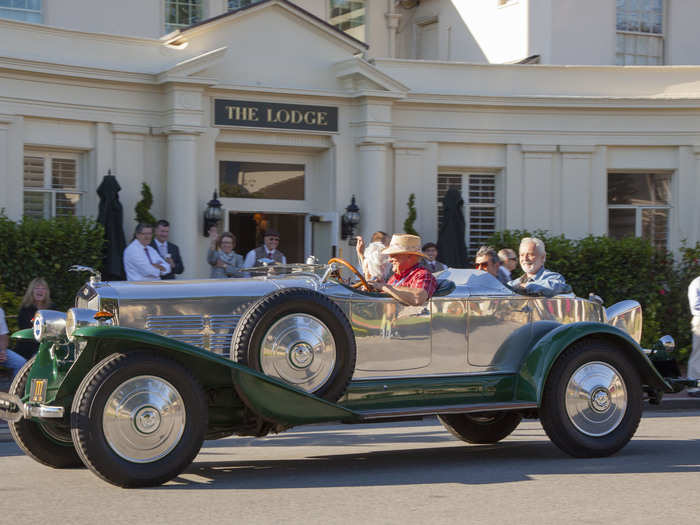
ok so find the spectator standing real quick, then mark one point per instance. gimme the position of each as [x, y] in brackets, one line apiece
[8, 358]
[224, 261]
[375, 265]
[430, 261]
[141, 261]
[268, 250]
[36, 297]
[509, 262]
[167, 250]
[694, 361]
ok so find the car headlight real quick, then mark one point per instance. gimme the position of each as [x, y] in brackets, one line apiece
[49, 325]
[77, 318]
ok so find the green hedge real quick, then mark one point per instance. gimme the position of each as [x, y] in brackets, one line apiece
[46, 248]
[622, 269]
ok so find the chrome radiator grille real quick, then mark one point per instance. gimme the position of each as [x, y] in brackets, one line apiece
[211, 332]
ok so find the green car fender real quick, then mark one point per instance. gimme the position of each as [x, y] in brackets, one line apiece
[266, 396]
[537, 363]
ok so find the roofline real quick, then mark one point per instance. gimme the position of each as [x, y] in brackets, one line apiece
[289, 4]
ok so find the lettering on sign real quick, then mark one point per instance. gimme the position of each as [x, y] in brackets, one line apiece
[271, 115]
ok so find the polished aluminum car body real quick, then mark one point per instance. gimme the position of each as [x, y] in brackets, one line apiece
[480, 326]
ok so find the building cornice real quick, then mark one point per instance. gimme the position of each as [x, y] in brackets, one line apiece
[42, 29]
[573, 102]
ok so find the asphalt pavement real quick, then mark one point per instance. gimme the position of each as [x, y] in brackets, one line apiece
[384, 473]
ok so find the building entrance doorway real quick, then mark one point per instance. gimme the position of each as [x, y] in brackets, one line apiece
[249, 228]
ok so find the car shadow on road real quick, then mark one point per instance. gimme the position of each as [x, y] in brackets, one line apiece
[508, 461]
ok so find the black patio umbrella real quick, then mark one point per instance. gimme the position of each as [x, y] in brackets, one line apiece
[452, 248]
[111, 217]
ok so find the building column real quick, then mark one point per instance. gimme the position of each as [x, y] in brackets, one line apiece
[129, 169]
[12, 166]
[182, 206]
[540, 187]
[576, 181]
[409, 178]
[375, 197]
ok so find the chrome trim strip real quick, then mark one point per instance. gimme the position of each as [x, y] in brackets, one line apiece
[448, 409]
[429, 376]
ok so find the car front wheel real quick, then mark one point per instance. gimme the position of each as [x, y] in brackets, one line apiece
[592, 401]
[138, 419]
[48, 443]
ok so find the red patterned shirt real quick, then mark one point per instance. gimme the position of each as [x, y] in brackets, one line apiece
[415, 277]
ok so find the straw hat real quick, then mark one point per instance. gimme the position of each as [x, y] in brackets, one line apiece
[404, 243]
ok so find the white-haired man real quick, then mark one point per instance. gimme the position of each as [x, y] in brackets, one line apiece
[536, 279]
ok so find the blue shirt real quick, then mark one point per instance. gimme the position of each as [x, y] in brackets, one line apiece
[545, 282]
[694, 296]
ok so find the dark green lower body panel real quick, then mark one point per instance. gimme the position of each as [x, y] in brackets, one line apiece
[401, 394]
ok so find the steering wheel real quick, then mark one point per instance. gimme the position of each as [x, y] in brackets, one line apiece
[354, 270]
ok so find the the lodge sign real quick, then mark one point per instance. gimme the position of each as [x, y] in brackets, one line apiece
[271, 115]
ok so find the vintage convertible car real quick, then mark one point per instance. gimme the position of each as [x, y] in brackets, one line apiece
[132, 380]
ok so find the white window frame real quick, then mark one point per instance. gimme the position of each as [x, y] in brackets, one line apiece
[639, 207]
[366, 24]
[48, 157]
[168, 27]
[496, 205]
[39, 11]
[650, 35]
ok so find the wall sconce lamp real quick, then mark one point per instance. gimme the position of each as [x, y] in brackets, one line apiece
[213, 214]
[349, 220]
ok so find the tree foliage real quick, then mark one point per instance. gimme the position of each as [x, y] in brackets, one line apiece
[619, 269]
[46, 248]
[143, 207]
[411, 219]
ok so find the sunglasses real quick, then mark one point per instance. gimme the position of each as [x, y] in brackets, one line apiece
[481, 265]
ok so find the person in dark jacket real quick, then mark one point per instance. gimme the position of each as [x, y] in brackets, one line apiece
[167, 250]
[37, 297]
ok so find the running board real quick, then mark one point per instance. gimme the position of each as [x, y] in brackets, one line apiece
[366, 415]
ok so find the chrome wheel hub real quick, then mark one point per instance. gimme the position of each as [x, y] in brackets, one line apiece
[144, 419]
[147, 420]
[300, 350]
[596, 398]
[301, 355]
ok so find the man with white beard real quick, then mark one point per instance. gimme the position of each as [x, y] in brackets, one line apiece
[536, 279]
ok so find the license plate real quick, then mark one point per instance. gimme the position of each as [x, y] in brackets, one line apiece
[37, 391]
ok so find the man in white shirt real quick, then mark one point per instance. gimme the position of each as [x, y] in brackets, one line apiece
[694, 361]
[141, 261]
[268, 250]
[8, 358]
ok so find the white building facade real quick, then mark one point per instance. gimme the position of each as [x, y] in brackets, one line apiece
[287, 117]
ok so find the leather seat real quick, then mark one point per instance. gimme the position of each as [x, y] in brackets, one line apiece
[444, 287]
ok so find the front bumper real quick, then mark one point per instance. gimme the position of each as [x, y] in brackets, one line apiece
[13, 409]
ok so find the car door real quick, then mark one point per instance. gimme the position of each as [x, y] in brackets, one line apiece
[390, 336]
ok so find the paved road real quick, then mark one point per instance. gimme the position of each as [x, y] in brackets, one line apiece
[411, 472]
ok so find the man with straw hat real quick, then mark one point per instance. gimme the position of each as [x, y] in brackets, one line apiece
[411, 284]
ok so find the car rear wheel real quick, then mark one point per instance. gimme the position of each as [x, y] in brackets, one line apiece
[481, 428]
[592, 401]
[48, 443]
[300, 337]
[138, 419]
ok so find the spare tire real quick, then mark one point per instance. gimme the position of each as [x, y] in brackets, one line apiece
[301, 337]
